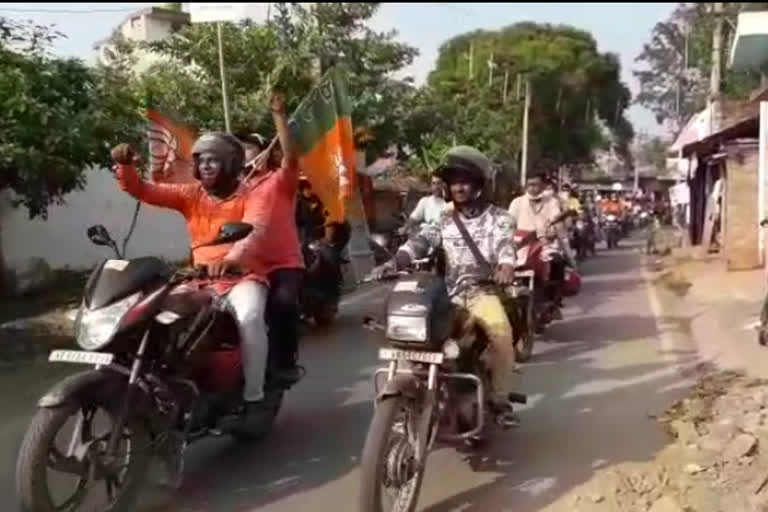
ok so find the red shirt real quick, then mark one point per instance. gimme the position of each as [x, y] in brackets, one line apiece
[280, 248]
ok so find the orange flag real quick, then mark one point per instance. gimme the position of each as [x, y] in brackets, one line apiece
[170, 149]
[322, 128]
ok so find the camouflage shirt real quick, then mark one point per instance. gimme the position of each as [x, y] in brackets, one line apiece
[492, 232]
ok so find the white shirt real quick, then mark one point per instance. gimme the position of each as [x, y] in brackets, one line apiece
[428, 210]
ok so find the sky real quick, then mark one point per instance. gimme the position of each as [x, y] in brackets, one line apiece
[621, 28]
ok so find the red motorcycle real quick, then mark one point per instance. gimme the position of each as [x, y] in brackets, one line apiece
[166, 372]
[531, 299]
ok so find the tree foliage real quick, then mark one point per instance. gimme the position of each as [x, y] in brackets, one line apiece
[674, 92]
[290, 52]
[576, 91]
[55, 120]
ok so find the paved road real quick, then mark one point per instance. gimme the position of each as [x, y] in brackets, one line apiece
[592, 383]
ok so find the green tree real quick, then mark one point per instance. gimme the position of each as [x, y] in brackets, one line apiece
[573, 87]
[674, 92]
[58, 118]
[289, 52]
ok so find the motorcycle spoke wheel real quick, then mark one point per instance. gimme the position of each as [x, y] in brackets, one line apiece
[391, 476]
[65, 468]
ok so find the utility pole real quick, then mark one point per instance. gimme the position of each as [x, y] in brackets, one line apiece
[491, 65]
[471, 60]
[224, 97]
[524, 156]
[506, 86]
[715, 77]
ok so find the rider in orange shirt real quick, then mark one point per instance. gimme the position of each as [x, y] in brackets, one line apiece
[613, 206]
[220, 197]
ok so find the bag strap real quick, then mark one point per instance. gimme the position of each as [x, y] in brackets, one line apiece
[479, 258]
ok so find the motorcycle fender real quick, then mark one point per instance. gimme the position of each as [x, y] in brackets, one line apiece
[77, 387]
[400, 385]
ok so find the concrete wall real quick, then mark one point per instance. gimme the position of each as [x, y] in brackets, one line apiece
[61, 240]
[741, 228]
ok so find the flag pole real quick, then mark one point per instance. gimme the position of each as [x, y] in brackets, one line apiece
[224, 97]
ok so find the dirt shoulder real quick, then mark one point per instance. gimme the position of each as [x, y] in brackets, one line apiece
[717, 458]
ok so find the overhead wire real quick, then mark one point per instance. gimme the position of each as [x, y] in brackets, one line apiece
[63, 11]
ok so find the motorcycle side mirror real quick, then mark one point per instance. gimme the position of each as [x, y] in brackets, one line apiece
[98, 235]
[228, 233]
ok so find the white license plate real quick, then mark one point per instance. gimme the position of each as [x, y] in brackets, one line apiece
[81, 357]
[391, 354]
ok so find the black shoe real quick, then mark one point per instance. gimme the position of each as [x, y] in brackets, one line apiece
[256, 420]
[287, 376]
[505, 413]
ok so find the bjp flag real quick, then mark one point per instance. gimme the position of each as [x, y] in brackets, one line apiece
[322, 130]
[170, 149]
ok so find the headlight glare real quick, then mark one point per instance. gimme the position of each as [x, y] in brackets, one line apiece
[407, 328]
[94, 329]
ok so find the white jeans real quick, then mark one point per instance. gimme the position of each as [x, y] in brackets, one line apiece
[248, 300]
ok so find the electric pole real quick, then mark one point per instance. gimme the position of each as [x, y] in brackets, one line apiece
[715, 77]
[506, 86]
[471, 60]
[491, 65]
[526, 111]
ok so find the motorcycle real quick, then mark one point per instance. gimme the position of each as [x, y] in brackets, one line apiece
[384, 244]
[435, 390]
[612, 231]
[321, 288]
[583, 237]
[530, 302]
[166, 372]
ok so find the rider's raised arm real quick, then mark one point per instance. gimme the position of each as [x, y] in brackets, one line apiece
[173, 196]
[287, 144]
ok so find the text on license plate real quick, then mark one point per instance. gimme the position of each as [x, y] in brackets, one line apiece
[391, 354]
[79, 356]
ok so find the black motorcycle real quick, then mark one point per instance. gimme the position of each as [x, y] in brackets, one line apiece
[167, 372]
[321, 288]
[435, 390]
[613, 231]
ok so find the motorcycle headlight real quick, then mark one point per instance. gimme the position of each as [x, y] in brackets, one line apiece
[94, 329]
[611, 218]
[407, 328]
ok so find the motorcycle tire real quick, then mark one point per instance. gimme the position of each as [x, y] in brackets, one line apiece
[523, 334]
[32, 467]
[376, 459]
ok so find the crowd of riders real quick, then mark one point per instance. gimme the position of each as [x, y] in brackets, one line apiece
[244, 178]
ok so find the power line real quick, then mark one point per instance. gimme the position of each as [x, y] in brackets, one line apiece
[63, 11]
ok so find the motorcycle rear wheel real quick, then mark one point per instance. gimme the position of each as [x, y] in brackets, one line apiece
[389, 455]
[523, 331]
[39, 453]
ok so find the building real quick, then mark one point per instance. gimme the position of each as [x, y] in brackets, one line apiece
[145, 26]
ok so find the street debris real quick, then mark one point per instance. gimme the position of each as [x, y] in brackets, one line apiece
[717, 462]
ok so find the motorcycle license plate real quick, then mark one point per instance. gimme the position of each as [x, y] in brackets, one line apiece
[391, 354]
[81, 357]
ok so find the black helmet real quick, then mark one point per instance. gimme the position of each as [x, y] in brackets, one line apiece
[467, 160]
[225, 146]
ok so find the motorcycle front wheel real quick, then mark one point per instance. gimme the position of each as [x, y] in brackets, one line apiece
[100, 482]
[390, 478]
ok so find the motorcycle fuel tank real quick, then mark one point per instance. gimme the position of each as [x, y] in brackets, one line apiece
[421, 295]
